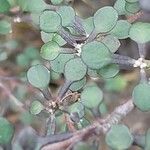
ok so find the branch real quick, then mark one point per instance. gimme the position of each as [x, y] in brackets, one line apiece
[98, 127]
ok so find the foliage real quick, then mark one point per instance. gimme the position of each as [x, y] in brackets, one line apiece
[76, 51]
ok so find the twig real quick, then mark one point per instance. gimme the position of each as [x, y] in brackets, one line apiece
[98, 127]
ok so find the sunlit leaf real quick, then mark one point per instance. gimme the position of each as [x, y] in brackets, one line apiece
[120, 6]
[119, 137]
[6, 131]
[75, 70]
[105, 19]
[56, 2]
[38, 76]
[141, 94]
[95, 55]
[132, 7]
[4, 6]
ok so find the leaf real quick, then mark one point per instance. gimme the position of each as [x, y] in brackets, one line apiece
[75, 86]
[109, 71]
[147, 141]
[67, 15]
[132, 1]
[58, 64]
[88, 25]
[38, 76]
[141, 95]
[31, 53]
[36, 107]
[119, 137]
[111, 42]
[5, 27]
[22, 60]
[121, 30]
[92, 73]
[105, 19]
[56, 2]
[95, 55]
[132, 7]
[50, 50]
[6, 131]
[34, 6]
[140, 32]
[76, 108]
[50, 21]
[91, 96]
[115, 84]
[103, 108]
[75, 70]
[82, 146]
[46, 37]
[120, 7]
[4, 6]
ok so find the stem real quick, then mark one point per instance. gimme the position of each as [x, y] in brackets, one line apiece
[64, 89]
[46, 93]
[142, 50]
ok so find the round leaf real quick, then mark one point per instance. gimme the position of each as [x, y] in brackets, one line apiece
[50, 21]
[88, 25]
[67, 14]
[105, 19]
[50, 50]
[36, 107]
[75, 86]
[95, 55]
[132, 7]
[39, 76]
[91, 96]
[111, 42]
[147, 142]
[4, 6]
[56, 2]
[46, 37]
[6, 131]
[58, 64]
[121, 30]
[119, 137]
[141, 95]
[5, 27]
[120, 7]
[140, 32]
[75, 69]
[109, 71]
[132, 1]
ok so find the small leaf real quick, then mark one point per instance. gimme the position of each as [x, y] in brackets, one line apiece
[91, 96]
[5, 27]
[67, 15]
[75, 86]
[147, 141]
[132, 7]
[50, 50]
[58, 39]
[36, 107]
[120, 7]
[121, 30]
[103, 108]
[140, 32]
[38, 76]
[46, 37]
[109, 71]
[119, 137]
[50, 21]
[77, 108]
[56, 2]
[58, 64]
[141, 95]
[4, 6]
[75, 70]
[132, 1]
[111, 42]
[95, 55]
[88, 25]
[105, 19]
[82, 146]
[6, 131]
